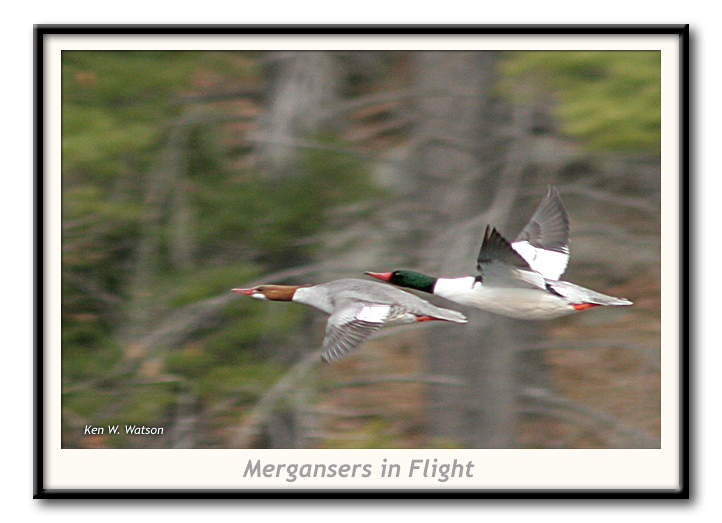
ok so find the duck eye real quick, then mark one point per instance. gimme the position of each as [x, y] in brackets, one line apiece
[260, 289]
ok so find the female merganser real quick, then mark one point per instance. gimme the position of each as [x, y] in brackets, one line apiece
[519, 280]
[357, 307]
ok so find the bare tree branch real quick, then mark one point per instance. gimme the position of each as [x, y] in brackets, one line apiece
[183, 322]
[289, 141]
[248, 92]
[393, 96]
[396, 378]
[264, 408]
[92, 289]
[210, 118]
[186, 419]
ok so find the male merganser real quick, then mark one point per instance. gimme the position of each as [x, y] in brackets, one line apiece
[519, 280]
[357, 307]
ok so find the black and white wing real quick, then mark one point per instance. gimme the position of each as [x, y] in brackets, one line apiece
[499, 265]
[350, 324]
[544, 241]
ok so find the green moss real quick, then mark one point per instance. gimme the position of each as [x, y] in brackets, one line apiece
[119, 109]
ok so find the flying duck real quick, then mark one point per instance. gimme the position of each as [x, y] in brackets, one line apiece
[518, 279]
[357, 309]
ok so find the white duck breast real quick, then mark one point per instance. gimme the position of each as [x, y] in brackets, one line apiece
[521, 301]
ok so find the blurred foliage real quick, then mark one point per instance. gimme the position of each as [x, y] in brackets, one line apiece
[151, 158]
[120, 112]
[610, 100]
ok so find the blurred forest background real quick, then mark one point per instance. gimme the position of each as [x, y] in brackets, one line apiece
[188, 173]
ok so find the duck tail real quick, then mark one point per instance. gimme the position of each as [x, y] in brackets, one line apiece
[611, 300]
[576, 293]
[448, 315]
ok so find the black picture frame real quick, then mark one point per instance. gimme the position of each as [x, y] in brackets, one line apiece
[41, 32]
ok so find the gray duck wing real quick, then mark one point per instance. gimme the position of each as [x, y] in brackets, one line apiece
[350, 324]
[544, 241]
[401, 301]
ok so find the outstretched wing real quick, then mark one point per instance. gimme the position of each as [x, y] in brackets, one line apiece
[350, 324]
[499, 265]
[544, 241]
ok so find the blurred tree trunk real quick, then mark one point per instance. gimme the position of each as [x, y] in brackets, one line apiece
[304, 86]
[181, 245]
[469, 173]
[160, 181]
